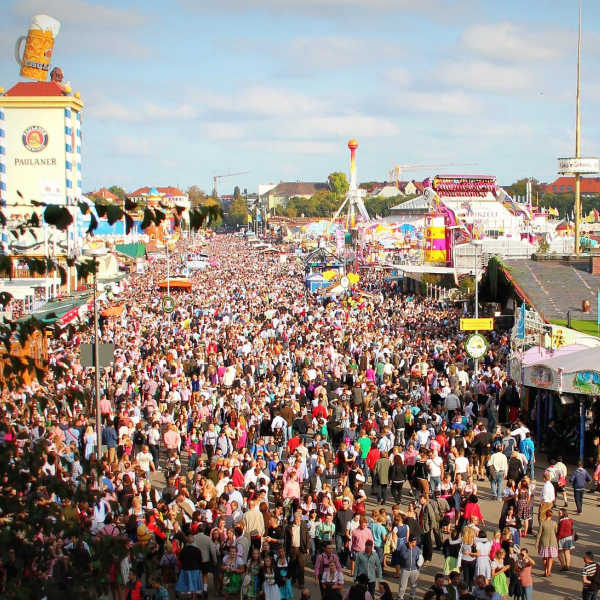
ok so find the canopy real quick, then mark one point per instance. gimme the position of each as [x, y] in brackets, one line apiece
[137, 250]
[573, 373]
[113, 311]
[62, 310]
[175, 284]
[538, 353]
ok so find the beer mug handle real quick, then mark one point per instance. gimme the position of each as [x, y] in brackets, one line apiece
[18, 45]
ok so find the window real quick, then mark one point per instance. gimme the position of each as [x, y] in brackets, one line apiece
[555, 188]
[570, 188]
[562, 188]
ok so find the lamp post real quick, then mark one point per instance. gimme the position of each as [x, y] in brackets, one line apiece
[95, 254]
[476, 244]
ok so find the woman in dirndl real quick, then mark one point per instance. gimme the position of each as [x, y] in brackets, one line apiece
[270, 580]
[546, 542]
[285, 584]
[233, 570]
[189, 582]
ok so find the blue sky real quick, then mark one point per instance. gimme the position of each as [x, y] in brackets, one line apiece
[179, 90]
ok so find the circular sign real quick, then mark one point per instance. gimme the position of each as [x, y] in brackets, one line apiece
[168, 304]
[345, 282]
[35, 138]
[476, 346]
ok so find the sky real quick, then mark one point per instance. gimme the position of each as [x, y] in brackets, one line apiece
[177, 91]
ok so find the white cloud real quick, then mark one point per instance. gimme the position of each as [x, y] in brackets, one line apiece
[484, 76]
[511, 41]
[223, 131]
[340, 127]
[126, 145]
[306, 55]
[451, 102]
[291, 146]
[439, 10]
[264, 101]
[399, 76]
[79, 12]
[105, 109]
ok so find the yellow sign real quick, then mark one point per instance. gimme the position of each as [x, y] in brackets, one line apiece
[477, 324]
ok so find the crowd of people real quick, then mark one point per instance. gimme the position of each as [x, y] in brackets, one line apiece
[258, 436]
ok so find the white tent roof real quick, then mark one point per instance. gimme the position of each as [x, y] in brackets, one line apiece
[584, 360]
[418, 203]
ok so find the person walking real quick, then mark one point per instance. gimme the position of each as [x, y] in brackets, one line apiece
[523, 568]
[429, 521]
[547, 496]
[589, 577]
[579, 478]
[565, 534]
[368, 563]
[547, 543]
[322, 564]
[297, 545]
[527, 449]
[497, 468]
[412, 561]
[381, 473]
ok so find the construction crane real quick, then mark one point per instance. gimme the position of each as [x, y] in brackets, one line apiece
[217, 177]
[397, 170]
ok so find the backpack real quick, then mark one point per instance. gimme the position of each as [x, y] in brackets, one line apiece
[139, 438]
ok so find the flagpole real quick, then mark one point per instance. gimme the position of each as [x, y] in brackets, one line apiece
[578, 139]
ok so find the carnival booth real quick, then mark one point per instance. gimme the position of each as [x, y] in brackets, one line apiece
[315, 281]
[564, 387]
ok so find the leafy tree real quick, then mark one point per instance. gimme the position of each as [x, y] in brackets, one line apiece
[338, 183]
[195, 195]
[238, 213]
[379, 206]
[117, 191]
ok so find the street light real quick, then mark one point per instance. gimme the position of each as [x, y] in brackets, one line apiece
[476, 244]
[95, 254]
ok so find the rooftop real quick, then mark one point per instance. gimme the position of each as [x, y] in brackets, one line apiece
[298, 188]
[166, 191]
[35, 88]
[554, 287]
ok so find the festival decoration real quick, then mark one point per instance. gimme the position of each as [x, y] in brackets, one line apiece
[39, 43]
[168, 304]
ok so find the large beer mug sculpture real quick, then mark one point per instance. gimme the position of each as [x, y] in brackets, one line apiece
[39, 42]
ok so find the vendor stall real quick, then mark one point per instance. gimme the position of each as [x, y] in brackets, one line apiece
[567, 387]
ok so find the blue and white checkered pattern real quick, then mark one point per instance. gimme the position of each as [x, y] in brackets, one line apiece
[77, 156]
[2, 159]
[68, 156]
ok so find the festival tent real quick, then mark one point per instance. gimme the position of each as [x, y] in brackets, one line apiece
[571, 373]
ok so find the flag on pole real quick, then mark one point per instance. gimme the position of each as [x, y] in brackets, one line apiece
[521, 322]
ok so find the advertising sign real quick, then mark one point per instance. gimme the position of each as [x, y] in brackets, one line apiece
[578, 166]
[485, 324]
